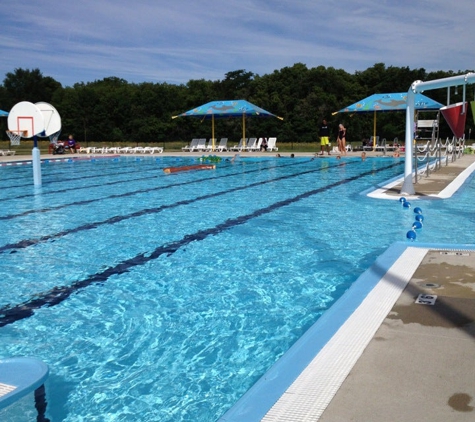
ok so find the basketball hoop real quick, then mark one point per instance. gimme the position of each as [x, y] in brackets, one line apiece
[53, 139]
[15, 136]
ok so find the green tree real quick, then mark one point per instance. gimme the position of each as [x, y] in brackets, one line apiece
[29, 85]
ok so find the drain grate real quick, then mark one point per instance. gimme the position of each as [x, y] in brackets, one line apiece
[454, 253]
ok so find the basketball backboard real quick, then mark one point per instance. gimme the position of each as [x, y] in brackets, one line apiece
[51, 117]
[26, 119]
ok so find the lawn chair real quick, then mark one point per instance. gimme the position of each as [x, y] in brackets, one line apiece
[239, 146]
[251, 145]
[369, 146]
[192, 145]
[212, 142]
[222, 145]
[271, 144]
[200, 145]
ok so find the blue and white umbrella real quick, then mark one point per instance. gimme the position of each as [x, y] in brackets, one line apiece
[228, 108]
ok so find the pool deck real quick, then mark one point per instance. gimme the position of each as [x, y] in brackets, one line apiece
[380, 354]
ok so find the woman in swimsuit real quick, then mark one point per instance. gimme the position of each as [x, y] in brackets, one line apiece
[341, 139]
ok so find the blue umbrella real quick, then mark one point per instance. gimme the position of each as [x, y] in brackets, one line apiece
[227, 108]
[389, 102]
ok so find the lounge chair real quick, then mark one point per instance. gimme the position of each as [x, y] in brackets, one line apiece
[200, 146]
[137, 150]
[251, 145]
[211, 143]
[152, 150]
[192, 144]
[222, 145]
[239, 146]
[381, 146]
[257, 146]
[271, 144]
[372, 141]
[124, 150]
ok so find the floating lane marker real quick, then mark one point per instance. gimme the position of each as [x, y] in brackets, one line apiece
[188, 168]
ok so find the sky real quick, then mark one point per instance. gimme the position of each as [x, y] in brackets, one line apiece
[180, 40]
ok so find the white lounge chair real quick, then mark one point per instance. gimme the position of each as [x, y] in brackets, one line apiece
[211, 145]
[192, 144]
[136, 150]
[222, 145]
[200, 146]
[372, 141]
[152, 150]
[271, 144]
[124, 150]
[257, 146]
[239, 146]
[251, 145]
[381, 146]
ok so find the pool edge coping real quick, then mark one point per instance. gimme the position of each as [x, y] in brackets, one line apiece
[261, 401]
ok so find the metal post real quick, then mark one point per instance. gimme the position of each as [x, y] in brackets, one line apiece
[408, 186]
[36, 162]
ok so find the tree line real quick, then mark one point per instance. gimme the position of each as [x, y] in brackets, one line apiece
[114, 110]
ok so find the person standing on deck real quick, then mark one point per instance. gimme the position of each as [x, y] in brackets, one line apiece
[341, 139]
[324, 134]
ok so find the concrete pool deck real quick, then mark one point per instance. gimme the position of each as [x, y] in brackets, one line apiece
[386, 357]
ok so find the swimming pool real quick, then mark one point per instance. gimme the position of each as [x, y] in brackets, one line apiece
[168, 296]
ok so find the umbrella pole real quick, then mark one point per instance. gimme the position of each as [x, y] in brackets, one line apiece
[212, 132]
[374, 130]
[244, 131]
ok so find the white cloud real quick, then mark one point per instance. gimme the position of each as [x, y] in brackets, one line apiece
[185, 39]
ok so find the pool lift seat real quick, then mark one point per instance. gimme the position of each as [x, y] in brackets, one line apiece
[20, 376]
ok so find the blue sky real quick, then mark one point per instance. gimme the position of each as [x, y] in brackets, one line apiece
[175, 41]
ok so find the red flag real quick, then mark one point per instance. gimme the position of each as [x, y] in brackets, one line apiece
[455, 118]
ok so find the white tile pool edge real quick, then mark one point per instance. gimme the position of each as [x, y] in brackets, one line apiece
[309, 395]
[303, 381]
[448, 192]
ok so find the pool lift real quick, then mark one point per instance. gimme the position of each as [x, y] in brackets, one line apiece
[419, 87]
[20, 376]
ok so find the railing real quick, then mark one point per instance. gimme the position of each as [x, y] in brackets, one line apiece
[432, 156]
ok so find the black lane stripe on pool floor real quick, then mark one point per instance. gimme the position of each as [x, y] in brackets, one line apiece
[118, 218]
[135, 192]
[129, 180]
[55, 296]
[52, 178]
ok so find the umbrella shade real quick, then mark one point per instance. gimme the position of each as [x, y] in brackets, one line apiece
[389, 102]
[3, 113]
[227, 108]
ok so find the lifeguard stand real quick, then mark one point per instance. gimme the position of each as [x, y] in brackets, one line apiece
[428, 129]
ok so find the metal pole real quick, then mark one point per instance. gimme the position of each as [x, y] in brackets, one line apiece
[408, 186]
[35, 153]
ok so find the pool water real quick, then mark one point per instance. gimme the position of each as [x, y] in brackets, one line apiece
[165, 297]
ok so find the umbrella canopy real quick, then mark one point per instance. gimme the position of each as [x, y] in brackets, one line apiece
[389, 102]
[227, 108]
[3, 113]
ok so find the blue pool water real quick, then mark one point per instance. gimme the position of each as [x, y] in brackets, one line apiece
[156, 297]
